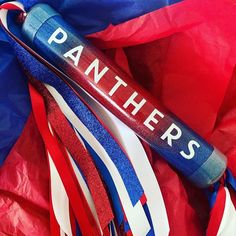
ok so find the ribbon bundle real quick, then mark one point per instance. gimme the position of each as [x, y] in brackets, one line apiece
[101, 182]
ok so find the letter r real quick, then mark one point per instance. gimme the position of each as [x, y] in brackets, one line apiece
[169, 134]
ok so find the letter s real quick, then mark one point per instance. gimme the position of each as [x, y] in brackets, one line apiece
[191, 154]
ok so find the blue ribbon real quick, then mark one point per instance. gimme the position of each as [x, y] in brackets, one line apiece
[230, 179]
[109, 183]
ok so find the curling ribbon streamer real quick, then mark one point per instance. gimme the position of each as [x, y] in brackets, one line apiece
[140, 225]
[139, 159]
[77, 199]
[56, 114]
[63, 129]
[135, 214]
[117, 156]
[59, 213]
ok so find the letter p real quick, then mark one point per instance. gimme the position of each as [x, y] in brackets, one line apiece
[59, 36]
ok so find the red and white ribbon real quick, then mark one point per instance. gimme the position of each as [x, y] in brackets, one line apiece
[5, 7]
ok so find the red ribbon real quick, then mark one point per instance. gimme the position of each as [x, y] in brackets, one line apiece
[54, 227]
[72, 221]
[217, 213]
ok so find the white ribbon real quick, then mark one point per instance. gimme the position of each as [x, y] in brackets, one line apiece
[228, 222]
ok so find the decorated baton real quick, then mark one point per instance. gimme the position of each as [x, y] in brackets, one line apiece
[87, 68]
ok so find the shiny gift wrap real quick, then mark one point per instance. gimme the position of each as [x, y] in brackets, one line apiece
[87, 68]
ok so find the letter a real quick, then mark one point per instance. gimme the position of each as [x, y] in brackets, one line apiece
[78, 50]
